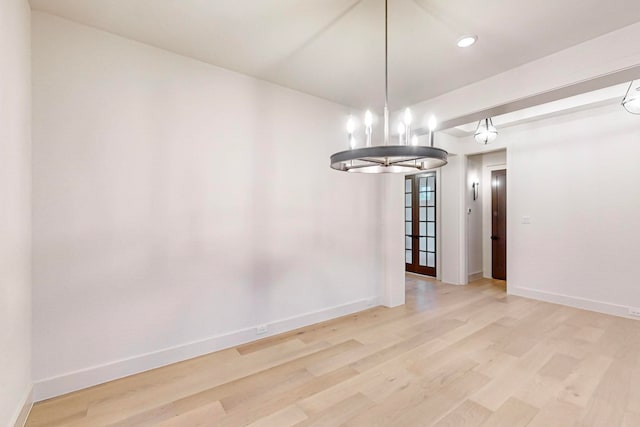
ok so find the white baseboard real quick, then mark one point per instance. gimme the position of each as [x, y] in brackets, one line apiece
[83, 378]
[22, 412]
[571, 301]
[421, 276]
[475, 276]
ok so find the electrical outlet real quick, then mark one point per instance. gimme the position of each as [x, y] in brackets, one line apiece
[261, 329]
[633, 311]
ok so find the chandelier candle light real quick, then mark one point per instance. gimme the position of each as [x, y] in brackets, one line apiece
[406, 156]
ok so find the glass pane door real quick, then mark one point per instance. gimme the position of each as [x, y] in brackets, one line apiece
[408, 221]
[420, 223]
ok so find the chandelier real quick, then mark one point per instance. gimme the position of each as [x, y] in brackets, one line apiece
[405, 156]
[486, 132]
[631, 100]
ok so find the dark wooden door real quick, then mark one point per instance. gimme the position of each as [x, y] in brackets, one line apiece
[420, 223]
[499, 224]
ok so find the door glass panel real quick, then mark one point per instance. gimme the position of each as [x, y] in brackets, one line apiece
[431, 229]
[407, 228]
[407, 186]
[407, 214]
[423, 214]
[423, 183]
[423, 259]
[423, 199]
[407, 200]
[423, 228]
[423, 243]
[431, 259]
[431, 244]
[408, 257]
[431, 199]
[407, 242]
[431, 214]
[431, 183]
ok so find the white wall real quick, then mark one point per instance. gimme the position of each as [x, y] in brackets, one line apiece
[177, 205]
[453, 221]
[15, 192]
[577, 177]
[392, 243]
[490, 162]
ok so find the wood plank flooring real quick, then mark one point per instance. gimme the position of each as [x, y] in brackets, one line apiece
[452, 356]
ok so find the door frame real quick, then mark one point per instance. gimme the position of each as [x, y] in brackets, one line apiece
[494, 174]
[438, 243]
[487, 262]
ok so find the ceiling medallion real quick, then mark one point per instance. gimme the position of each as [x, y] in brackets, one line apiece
[406, 156]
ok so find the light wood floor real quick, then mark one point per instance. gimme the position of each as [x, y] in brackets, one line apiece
[452, 356]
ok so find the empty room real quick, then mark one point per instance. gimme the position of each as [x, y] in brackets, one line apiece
[319, 213]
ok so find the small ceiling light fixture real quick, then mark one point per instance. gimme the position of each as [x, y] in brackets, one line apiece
[466, 41]
[631, 100]
[405, 157]
[486, 132]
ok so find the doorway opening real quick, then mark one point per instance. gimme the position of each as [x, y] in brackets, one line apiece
[483, 170]
[420, 223]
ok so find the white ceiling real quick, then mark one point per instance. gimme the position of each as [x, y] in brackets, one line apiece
[334, 48]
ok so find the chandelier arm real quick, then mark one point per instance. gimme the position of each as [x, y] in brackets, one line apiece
[409, 165]
[406, 165]
[377, 162]
[627, 93]
[629, 89]
[358, 166]
[397, 162]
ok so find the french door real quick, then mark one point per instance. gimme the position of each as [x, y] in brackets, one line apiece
[420, 223]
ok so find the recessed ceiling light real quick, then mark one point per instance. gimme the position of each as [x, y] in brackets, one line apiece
[466, 41]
